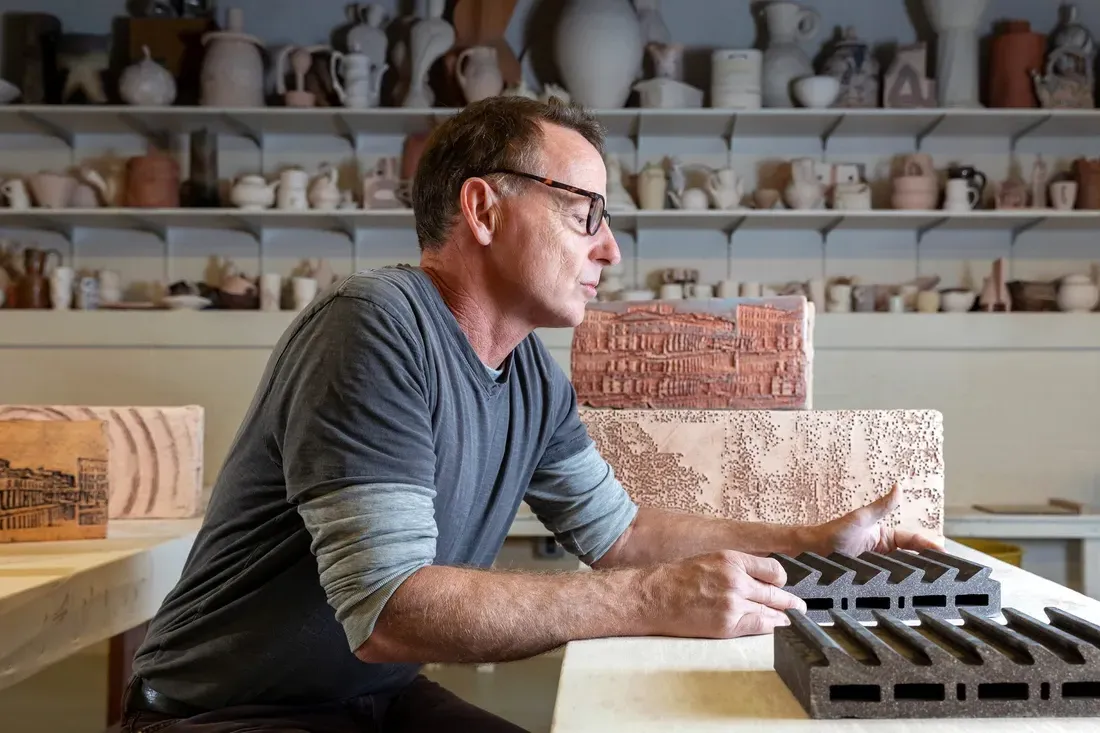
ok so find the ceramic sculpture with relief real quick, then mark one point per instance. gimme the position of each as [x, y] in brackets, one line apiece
[740, 353]
[783, 466]
[598, 46]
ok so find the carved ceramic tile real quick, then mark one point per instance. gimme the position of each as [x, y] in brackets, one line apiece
[740, 353]
[53, 480]
[789, 467]
[156, 458]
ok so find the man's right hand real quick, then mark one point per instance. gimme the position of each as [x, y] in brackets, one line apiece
[720, 595]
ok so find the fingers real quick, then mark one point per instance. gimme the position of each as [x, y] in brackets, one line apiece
[766, 569]
[916, 541]
[771, 597]
[757, 619]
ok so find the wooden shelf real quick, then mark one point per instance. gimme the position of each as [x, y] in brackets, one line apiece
[159, 221]
[67, 122]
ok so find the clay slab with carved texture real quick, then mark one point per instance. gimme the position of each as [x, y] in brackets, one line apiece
[785, 466]
[738, 353]
[53, 480]
[156, 459]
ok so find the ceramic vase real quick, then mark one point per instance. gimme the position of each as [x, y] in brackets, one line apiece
[598, 46]
[233, 67]
[956, 23]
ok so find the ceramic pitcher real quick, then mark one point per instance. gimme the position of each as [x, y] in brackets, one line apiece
[478, 73]
[33, 288]
[784, 60]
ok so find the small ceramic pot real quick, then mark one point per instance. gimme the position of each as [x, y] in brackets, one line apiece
[1078, 294]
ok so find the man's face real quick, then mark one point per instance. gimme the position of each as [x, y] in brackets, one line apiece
[543, 253]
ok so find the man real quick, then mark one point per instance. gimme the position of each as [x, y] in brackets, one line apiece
[399, 423]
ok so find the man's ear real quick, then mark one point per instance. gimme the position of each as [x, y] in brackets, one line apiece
[480, 207]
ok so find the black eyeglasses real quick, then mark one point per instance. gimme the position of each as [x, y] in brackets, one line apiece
[597, 206]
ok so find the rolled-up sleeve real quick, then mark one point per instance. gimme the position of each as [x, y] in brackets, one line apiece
[574, 492]
[358, 456]
[582, 503]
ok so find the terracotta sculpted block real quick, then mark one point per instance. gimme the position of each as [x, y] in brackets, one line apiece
[784, 466]
[53, 480]
[739, 353]
[155, 468]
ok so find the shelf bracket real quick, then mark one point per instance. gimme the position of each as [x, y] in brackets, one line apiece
[1027, 131]
[161, 138]
[729, 245]
[152, 226]
[53, 130]
[829, 131]
[828, 229]
[252, 227]
[922, 231]
[929, 130]
[240, 128]
[1024, 228]
[346, 132]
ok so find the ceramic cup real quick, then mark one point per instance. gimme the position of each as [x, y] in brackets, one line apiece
[840, 299]
[1063, 195]
[271, 289]
[751, 290]
[699, 291]
[672, 291]
[728, 289]
[305, 290]
[928, 301]
[61, 288]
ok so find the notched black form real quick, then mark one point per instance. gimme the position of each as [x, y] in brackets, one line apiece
[900, 583]
[936, 669]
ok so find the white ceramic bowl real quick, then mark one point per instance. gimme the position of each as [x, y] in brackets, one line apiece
[816, 92]
[958, 301]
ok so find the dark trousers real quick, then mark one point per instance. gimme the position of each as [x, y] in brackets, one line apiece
[423, 706]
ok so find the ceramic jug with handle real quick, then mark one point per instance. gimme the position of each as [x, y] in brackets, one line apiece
[362, 79]
[784, 60]
[478, 73]
[293, 190]
[725, 189]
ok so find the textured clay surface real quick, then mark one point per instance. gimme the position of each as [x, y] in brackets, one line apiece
[752, 353]
[899, 583]
[981, 669]
[53, 480]
[783, 466]
[156, 455]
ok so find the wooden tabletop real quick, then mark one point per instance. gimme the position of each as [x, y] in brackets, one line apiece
[58, 597]
[694, 686]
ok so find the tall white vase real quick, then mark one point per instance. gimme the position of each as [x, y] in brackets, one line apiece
[598, 46]
[956, 23]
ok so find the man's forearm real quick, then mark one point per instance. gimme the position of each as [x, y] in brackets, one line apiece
[659, 535]
[446, 614]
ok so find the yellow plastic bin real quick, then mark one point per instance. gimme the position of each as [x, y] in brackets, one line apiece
[1003, 551]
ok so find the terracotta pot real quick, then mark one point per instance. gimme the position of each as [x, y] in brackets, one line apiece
[153, 182]
[1087, 173]
[1014, 53]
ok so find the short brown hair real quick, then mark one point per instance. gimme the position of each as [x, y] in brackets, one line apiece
[498, 132]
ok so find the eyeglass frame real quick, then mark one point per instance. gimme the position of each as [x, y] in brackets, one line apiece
[594, 198]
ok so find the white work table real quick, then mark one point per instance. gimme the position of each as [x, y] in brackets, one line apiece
[57, 598]
[665, 685]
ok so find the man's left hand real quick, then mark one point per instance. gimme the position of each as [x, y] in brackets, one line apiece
[864, 531]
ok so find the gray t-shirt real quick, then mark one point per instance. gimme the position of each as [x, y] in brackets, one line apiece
[377, 443]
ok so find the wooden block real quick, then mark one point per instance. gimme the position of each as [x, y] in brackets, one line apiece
[783, 466]
[53, 480]
[156, 455]
[738, 353]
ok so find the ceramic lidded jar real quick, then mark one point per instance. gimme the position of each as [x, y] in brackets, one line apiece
[233, 67]
[853, 65]
[599, 47]
[147, 83]
[153, 181]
